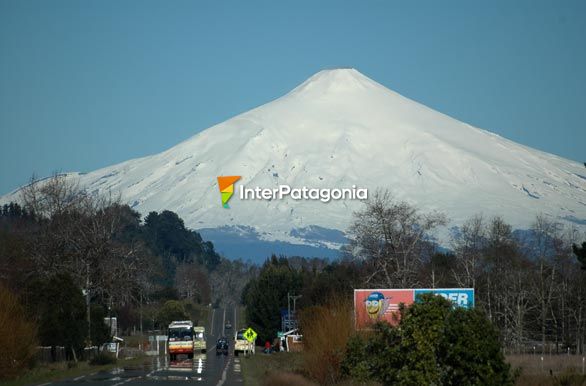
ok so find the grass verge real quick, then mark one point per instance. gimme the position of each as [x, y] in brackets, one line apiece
[552, 370]
[287, 369]
[263, 369]
[283, 369]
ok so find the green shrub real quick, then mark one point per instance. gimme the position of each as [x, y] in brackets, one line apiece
[434, 344]
[470, 352]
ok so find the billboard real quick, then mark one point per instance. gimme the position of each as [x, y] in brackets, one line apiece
[374, 305]
[461, 297]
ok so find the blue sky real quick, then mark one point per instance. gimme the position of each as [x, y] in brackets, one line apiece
[86, 84]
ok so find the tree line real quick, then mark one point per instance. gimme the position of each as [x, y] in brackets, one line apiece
[72, 259]
[95, 256]
[529, 283]
[529, 298]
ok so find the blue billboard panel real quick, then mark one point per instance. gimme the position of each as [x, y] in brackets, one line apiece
[461, 297]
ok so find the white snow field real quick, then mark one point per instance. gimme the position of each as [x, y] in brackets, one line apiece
[337, 129]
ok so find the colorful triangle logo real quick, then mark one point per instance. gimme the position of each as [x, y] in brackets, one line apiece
[226, 185]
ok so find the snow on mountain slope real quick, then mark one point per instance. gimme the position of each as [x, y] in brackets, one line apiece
[337, 129]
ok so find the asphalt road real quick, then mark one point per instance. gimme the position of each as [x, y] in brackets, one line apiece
[204, 369]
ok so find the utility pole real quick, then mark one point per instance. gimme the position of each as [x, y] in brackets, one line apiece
[141, 314]
[294, 302]
[110, 316]
[87, 302]
[289, 297]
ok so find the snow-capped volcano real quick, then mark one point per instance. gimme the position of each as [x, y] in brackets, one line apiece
[337, 129]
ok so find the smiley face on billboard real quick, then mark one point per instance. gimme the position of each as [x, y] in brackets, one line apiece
[376, 305]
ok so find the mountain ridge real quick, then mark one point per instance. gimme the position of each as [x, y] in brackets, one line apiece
[336, 129]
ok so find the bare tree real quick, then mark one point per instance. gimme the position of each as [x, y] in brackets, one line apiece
[78, 234]
[468, 246]
[500, 260]
[546, 236]
[394, 238]
[192, 282]
[229, 279]
[52, 196]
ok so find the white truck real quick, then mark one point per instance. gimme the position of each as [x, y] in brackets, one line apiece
[199, 338]
[241, 344]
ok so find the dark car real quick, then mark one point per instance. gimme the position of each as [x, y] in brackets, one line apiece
[222, 346]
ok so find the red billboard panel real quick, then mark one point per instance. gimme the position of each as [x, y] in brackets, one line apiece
[373, 305]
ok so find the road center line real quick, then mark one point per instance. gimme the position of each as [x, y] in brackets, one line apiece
[123, 382]
[224, 373]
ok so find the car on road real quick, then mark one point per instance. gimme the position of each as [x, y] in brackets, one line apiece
[222, 346]
[241, 344]
[228, 325]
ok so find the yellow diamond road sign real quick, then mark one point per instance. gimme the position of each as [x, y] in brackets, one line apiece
[250, 335]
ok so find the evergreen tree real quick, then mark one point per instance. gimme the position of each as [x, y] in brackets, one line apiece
[60, 307]
[470, 352]
[171, 310]
[168, 237]
[266, 296]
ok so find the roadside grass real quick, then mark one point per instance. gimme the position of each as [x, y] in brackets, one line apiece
[287, 369]
[282, 369]
[52, 372]
[547, 380]
[553, 370]
[273, 369]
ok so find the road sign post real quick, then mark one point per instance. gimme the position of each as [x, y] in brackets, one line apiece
[250, 335]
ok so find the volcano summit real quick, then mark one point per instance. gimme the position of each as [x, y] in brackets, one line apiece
[337, 129]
